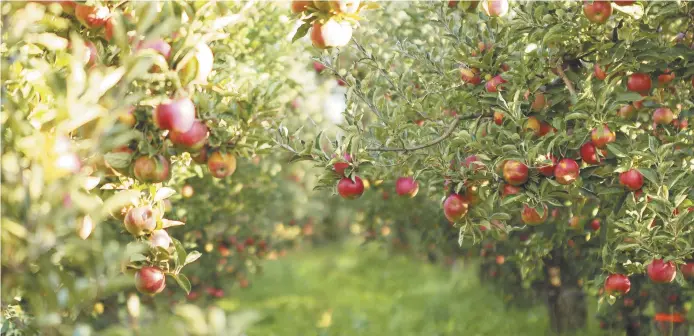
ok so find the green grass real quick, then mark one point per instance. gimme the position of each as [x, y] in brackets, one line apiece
[362, 291]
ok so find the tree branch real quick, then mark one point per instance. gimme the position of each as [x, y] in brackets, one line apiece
[444, 136]
[567, 82]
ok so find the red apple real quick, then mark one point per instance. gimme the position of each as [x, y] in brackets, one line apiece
[498, 118]
[661, 272]
[92, 16]
[623, 2]
[194, 140]
[299, 6]
[470, 76]
[595, 224]
[534, 125]
[515, 172]
[599, 73]
[472, 162]
[349, 189]
[221, 164]
[575, 222]
[151, 169]
[663, 116]
[589, 154]
[539, 103]
[331, 34]
[455, 207]
[318, 66]
[495, 8]
[201, 157]
[638, 104]
[150, 280]
[406, 186]
[160, 238]
[617, 283]
[140, 221]
[597, 11]
[566, 171]
[507, 190]
[639, 82]
[632, 179]
[175, 115]
[626, 111]
[341, 166]
[529, 215]
[688, 270]
[500, 260]
[665, 78]
[495, 84]
[548, 170]
[601, 136]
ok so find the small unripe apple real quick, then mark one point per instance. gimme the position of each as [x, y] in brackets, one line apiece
[566, 171]
[530, 216]
[194, 139]
[151, 169]
[406, 186]
[331, 34]
[92, 16]
[175, 115]
[150, 280]
[221, 164]
[318, 66]
[597, 11]
[160, 238]
[515, 172]
[140, 221]
[349, 189]
[455, 207]
[495, 8]
[631, 179]
[663, 116]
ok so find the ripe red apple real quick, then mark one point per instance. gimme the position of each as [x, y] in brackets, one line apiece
[597, 11]
[688, 270]
[140, 221]
[515, 172]
[318, 66]
[545, 128]
[623, 2]
[589, 153]
[639, 82]
[626, 111]
[470, 76]
[160, 238]
[539, 103]
[495, 8]
[495, 84]
[160, 46]
[632, 179]
[299, 6]
[529, 216]
[638, 104]
[663, 116]
[601, 136]
[617, 283]
[665, 78]
[507, 190]
[221, 164]
[194, 139]
[406, 186]
[349, 189]
[341, 166]
[151, 169]
[472, 162]
[455, 207]
[575, 222]
[661, 272]
[150, 280]
[92, 16]
[548, 170]
[201, 157]
[599, 73]
[175, 115]
[331, 34]
[566, 171]
[595, 224]
[500, 260]
[498, 118]
[534, 125]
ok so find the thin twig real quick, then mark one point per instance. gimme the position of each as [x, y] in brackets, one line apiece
[567, 82]
[443, 136]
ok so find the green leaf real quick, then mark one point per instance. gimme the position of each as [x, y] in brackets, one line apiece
[616, 150]
[301, 31]
[182, 281]
[192, 257]
[628, 97]
[501, 216]
[180, 252]
[649, 174]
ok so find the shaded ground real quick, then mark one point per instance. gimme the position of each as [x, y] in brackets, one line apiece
[360, 291]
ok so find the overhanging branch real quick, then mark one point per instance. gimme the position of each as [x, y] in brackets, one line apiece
[444, 136]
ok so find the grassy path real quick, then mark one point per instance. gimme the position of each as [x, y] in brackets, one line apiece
[359, 291]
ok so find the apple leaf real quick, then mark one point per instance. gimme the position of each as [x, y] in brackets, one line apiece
[192, 257]
[301, 31]
[182, 281]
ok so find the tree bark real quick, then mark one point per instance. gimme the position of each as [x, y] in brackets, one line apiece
[565, 300]
[670, 318]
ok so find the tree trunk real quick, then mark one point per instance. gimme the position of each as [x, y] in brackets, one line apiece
[566, 302]
[670, 318]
